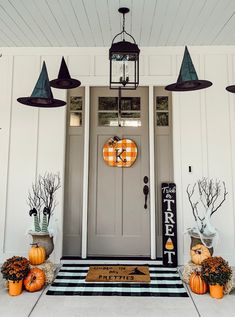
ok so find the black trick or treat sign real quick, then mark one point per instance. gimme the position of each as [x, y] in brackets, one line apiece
[169, 225]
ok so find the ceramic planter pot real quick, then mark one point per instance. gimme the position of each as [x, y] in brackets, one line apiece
[15, 287]
[195, 239]
[216, 291]
[44, 240]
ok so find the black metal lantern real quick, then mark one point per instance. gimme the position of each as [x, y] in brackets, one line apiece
[124, 60]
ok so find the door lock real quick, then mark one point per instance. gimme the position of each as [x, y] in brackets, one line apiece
[146, 192]
[146, 179]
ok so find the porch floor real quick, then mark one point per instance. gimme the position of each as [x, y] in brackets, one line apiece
[39, 304]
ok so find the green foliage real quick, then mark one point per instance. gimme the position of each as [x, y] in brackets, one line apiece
[215, 270]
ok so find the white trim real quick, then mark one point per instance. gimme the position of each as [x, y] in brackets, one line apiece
[116, 261]
[152, 175]
[85, 171]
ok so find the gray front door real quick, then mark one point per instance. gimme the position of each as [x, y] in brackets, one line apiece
[118, 223]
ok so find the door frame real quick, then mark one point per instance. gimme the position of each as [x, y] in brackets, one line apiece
[151, 173]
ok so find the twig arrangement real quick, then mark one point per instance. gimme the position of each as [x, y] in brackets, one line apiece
[41, 200]
[209, 191]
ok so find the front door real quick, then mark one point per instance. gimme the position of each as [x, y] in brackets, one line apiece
[118, 223]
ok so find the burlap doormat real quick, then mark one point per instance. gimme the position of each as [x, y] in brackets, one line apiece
[138, 274]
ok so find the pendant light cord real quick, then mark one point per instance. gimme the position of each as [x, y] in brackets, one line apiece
[123, 27]
[119, 105]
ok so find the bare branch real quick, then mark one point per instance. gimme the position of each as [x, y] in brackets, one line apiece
[49, 184]
[222, 201]
[209, 191]
[190, 194]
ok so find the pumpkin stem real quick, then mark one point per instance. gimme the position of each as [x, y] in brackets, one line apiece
[32, 280]
[35, 244]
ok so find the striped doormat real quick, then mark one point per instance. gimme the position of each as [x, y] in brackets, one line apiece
[70, 280]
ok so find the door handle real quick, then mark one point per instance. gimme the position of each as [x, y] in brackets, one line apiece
[146, 192]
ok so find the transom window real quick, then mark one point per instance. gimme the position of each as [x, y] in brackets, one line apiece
[127, 116]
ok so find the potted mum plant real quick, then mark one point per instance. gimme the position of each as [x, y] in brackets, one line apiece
[216, 272]
[210, 195]
[42, 202]
[14, 270]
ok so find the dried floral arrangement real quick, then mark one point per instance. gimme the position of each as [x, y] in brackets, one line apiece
[215, 270]
[15, 268]
[41, 200]
[210, 195]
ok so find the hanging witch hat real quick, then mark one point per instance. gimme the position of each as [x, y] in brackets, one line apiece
[64, 81]
[231, 88]
[188, 79]
[42, 95]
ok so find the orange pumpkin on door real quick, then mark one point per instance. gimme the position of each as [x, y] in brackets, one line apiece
[120, 153]
[35, 280]
[197, 284]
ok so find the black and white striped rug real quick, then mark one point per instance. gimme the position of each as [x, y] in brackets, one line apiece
[70, 280]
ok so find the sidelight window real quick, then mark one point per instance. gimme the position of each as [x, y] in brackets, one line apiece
[162, 111]
[75, 111]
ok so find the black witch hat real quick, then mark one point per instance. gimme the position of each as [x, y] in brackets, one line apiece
[188, 79]
[42, 95]
[64, 81]
[231, 88]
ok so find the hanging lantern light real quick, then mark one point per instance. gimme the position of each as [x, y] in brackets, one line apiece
[124, 60]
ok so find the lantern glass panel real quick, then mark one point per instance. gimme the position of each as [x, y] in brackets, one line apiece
[124, 69]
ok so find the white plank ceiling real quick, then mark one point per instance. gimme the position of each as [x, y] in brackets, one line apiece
[81, 23]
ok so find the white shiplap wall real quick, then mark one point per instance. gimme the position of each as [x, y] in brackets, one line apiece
[32, 140]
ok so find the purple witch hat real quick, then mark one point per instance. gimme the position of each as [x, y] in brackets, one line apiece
[64, 80]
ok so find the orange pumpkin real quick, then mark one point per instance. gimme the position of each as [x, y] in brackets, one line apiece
[199, 253]
[37, 254]
[197, 284]
[120, 153]
[35, 280]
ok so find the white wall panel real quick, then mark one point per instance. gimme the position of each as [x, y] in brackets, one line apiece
[22, 156]
[51, 147]
[187, 149]
[219, 146]
[6, 65]
[102, 65]
[231, 78]
[79, 65]
[160, 65]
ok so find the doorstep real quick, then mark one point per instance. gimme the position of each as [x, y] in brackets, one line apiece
[108, 260]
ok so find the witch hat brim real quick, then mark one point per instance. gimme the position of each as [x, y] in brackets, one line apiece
[231, 88]
[42, 95]
[189, 85]
[64, 81]
[187, 79]
[41, 102]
